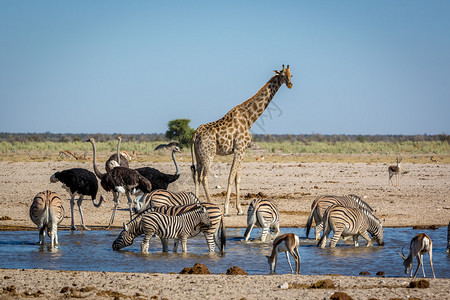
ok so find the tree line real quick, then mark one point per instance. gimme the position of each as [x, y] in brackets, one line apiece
[164, 137]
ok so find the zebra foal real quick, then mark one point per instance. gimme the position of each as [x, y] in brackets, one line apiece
[263, 213]
[321, 203]
[214, 234]
[347, 221]
[47, 212]
[165, 226]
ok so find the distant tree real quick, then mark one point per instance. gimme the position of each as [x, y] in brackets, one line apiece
[180, 131]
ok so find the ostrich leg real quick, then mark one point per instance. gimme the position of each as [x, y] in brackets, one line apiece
[130, 204]
[116, 203]
[72, 204]
[79, 202]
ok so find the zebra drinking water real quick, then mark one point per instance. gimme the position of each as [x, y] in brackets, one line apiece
[214, 234]
[347, 221]
[166, 227]
[263, 213]
[321, 203]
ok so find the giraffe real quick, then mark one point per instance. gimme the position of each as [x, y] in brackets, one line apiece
[231, 135]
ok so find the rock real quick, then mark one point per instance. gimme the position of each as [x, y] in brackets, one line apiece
[381, 274]
[196, 269]
[284, 286]
[430, 227]
[364, 273]
[236, 271]
[323, 284]
[340, 296]
[419, 284]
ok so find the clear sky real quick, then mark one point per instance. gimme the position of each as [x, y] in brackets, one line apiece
[359, 67]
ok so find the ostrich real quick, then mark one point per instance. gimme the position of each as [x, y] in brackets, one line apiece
[120, 159]
[120, 180]
[160, 180]
[165, 146]
[78, 181]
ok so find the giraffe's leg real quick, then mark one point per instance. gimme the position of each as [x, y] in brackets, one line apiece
[79, 202]
[203, 177]
[72, 204]
[237, 182]
[232, 177]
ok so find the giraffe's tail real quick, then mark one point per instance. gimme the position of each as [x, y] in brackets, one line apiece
[193, 170]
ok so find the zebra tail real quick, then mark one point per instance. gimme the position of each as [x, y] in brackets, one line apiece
[310, 218]
[192, 158]
[223, 237]
[325, 227]
[45, 218]
[251, 219]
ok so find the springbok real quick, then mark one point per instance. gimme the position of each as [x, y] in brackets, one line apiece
[395, 170]
[288, 242]
[420, 244]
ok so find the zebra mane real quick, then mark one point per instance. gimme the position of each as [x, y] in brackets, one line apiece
[371, 216]
[361, 202]
[133, 222]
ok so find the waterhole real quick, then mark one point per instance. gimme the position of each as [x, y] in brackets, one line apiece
[92, 251]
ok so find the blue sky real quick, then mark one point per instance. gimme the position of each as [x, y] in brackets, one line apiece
[359, 67]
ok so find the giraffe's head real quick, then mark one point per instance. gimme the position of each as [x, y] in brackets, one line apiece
[285, 76]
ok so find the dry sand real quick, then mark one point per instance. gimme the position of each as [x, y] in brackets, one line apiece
[421, 199]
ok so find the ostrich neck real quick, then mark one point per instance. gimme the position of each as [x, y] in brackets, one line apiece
[96, 170]
[175, 162]
[100, 202]
[118, 151]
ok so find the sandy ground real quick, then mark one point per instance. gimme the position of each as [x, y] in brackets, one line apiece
[94, 285]
[421, 199]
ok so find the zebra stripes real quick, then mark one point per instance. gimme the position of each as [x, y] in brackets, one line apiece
[321, 203]
[263, 213]
[348, 221]
[159, 198]
[166, 227]
[214, 234]
[47, 212]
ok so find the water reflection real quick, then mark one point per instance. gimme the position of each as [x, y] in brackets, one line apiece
[92, 251]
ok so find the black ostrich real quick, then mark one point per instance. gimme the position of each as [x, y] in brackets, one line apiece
[160, 180]
[116, 159]
[78, 181]
[120, 180]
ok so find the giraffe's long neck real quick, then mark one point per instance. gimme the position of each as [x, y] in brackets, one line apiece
[255, 106]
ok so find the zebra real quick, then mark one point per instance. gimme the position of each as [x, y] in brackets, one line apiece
[165, 226]
[350, 221]
[47, 212]
[212, 235]
[321, 203]
[263, 213]
[163, 197]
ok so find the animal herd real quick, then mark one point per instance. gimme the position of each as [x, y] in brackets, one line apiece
[180, 216]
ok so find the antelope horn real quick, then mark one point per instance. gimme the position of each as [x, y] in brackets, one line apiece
[402, 254]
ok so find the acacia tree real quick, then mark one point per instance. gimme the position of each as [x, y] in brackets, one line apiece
[180, 131]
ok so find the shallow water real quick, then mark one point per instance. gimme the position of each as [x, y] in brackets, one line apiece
[91, 251]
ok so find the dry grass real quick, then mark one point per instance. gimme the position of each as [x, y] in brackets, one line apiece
[48, 152]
